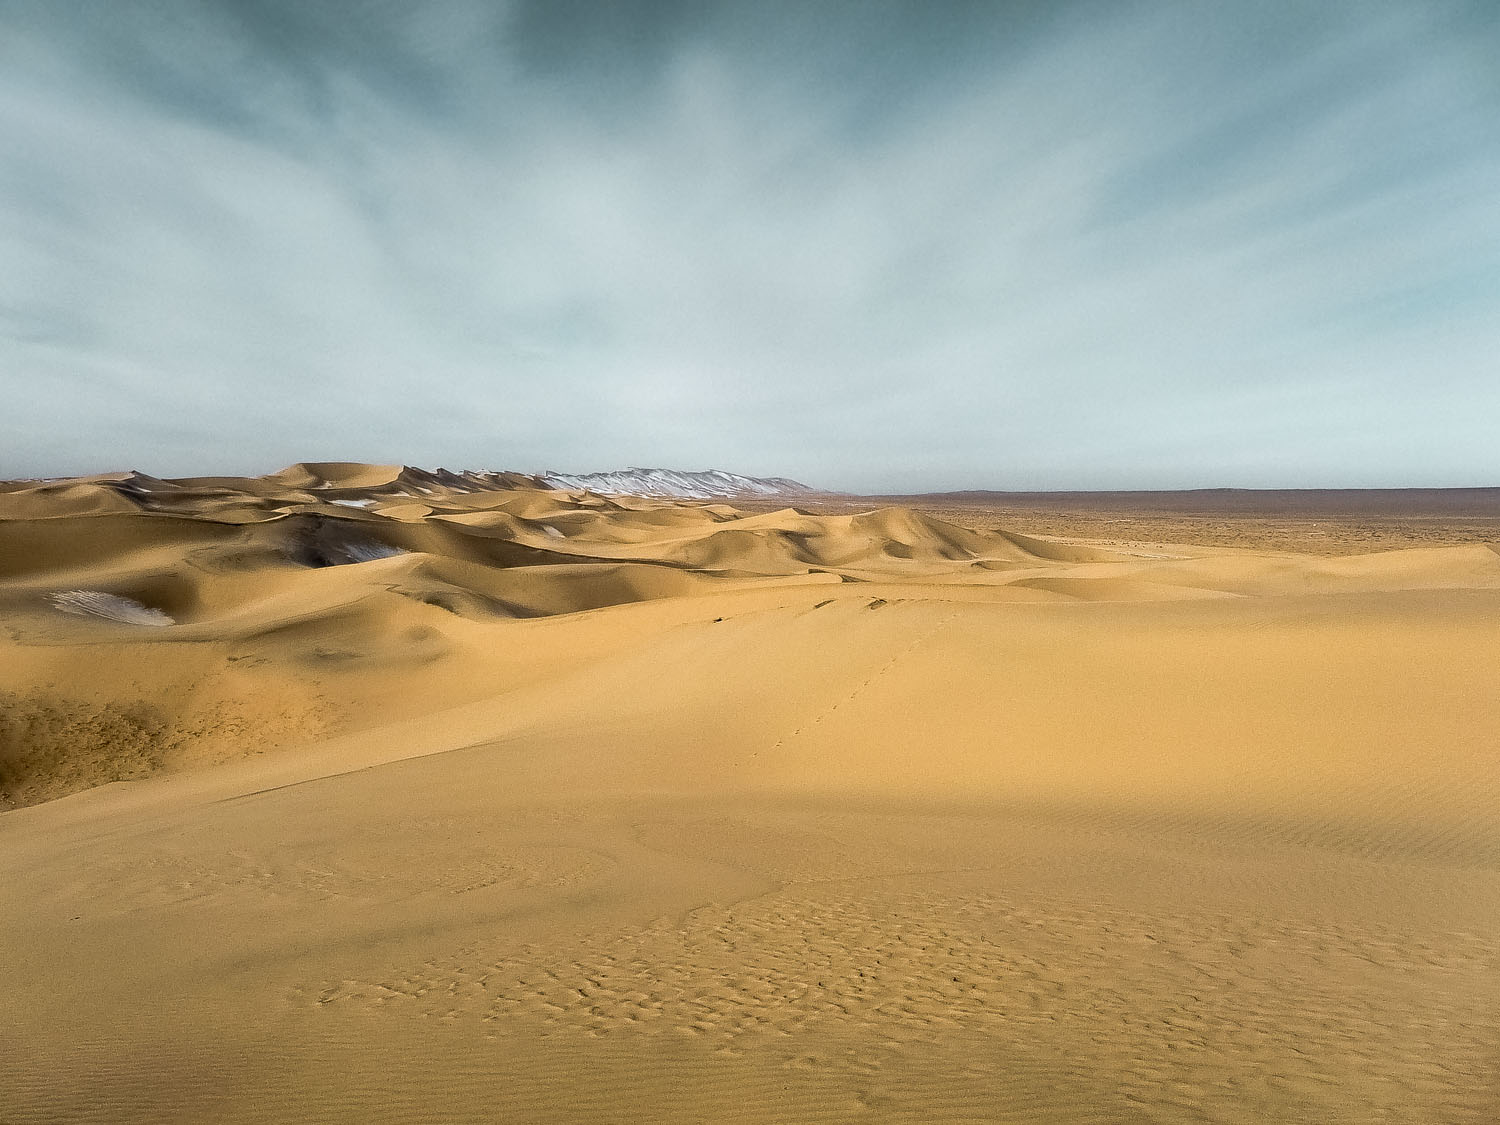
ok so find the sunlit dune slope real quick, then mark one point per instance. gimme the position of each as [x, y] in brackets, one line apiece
[329, 569]
[453, 797]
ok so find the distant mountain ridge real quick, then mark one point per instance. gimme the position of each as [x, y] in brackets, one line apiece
[705, 485]
[352, 482]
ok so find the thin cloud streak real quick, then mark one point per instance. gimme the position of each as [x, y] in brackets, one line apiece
[1114, 248]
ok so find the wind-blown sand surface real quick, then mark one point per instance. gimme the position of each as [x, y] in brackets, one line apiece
[404, 797]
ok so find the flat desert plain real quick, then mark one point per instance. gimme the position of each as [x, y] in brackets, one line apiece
[355, 793]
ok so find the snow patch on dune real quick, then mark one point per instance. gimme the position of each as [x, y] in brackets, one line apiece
[706, 485]
[368, 551]
[111, 607]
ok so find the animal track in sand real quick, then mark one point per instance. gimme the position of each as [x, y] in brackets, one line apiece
[869, 681]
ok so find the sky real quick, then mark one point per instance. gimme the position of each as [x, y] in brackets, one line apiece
[876, 246]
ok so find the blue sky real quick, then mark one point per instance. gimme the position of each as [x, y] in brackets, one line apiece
[876, 246]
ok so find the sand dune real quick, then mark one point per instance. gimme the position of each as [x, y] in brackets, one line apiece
[407, 795]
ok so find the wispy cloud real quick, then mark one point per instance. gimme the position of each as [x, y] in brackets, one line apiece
[876, 246]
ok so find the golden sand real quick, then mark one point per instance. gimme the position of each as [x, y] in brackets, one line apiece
[355, 794]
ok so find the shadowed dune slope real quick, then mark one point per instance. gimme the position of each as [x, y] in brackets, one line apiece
[404, 795]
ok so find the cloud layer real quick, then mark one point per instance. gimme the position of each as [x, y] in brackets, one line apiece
[876, 246]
